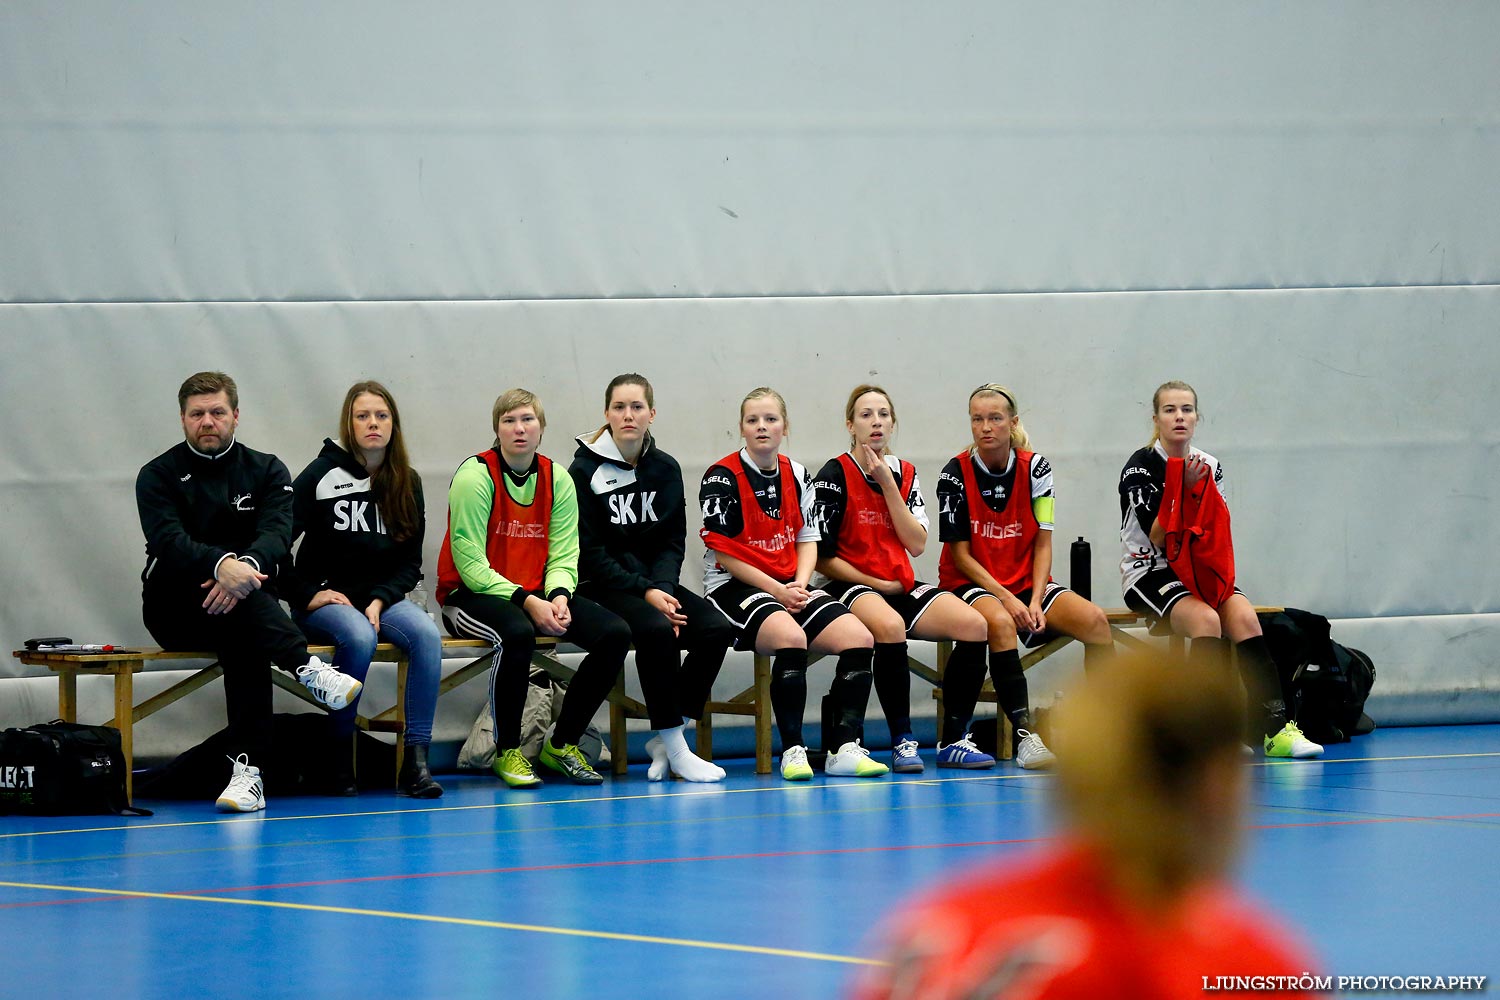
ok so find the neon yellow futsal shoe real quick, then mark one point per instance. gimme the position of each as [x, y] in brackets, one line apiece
[512, 767]
[853, 761]
[569, 760]
[1291, 743]
[794, 765]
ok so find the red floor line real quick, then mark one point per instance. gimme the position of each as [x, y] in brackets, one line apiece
[619, 864]
[1378, 819]
[717, 857]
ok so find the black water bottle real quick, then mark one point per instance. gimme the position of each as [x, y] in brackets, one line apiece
[1079, 566]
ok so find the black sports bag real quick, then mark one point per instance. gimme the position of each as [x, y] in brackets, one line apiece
[63, 769]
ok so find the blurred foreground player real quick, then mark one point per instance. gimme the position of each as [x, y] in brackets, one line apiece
[1132, 899]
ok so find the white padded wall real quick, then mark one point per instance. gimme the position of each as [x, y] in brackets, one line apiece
[190, 151]
[1290, 205]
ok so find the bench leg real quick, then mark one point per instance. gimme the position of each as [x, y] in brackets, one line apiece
[618, 734]
[762, 714]
[402, 666]
[124, 703]
[67, 694]
[706, 736]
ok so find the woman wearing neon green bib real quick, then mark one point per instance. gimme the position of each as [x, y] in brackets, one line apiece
[507, 573]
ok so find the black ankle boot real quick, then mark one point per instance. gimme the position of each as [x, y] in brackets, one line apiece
[415, 780]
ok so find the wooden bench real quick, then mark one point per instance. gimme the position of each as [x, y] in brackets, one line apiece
[124, 665]
[1119, 619]
[753, 702]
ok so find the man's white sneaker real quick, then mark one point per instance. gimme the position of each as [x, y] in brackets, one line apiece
[245, 793]
[327, 684]
[1031, 753]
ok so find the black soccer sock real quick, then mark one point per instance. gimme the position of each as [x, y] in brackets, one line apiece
[962, 678]
[1098, 655]
[893, 687]
[789, 694]
[1010, 687]
[1262, 682]
[851, 692]
[1209, 653]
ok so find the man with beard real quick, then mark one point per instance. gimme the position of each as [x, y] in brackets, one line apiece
[218, 519]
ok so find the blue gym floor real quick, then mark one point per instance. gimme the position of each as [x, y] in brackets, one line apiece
[1386, 853]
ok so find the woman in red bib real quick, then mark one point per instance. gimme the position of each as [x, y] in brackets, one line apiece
[759, 559]
[995, 520]
[1153, 485]
[868, 506]
[507, 572]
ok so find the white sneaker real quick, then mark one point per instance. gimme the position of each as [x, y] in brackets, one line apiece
[327, 684]
[1031, 753]
[794, 765]
[245, 793]
[853, 761]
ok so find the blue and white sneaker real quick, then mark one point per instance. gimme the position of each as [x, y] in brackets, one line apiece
[963, 753]
[904, 759]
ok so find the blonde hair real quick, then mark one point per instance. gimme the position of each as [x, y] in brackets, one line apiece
[1156, 405]
[766, 392]
[628, 378]
[859, 391]
[1161, 813]
[1019, 439]
[514, 399]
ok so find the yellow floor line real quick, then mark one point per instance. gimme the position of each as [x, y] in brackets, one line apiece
[525, 804]
[710, 790]
[457, 921]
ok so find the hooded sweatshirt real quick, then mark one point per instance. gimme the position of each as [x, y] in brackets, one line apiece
[632, 522]
[345, 544]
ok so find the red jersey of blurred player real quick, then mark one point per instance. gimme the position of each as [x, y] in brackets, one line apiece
[1133, 900]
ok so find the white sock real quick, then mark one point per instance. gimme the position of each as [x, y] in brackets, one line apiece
[658, 771]
[688, 765]
[687, 724]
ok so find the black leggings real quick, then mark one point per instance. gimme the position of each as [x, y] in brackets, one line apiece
[673, 686]
[247, 640]
[503, 624]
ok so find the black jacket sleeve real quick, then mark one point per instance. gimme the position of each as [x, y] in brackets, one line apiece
[293, 582]
[595, 562]
[273, 528]
[407, 557]
[167, 540]
[666, 567]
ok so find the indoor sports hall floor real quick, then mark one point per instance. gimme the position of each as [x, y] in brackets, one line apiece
[1387, 853]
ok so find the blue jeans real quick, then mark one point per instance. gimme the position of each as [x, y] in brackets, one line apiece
[405, 626]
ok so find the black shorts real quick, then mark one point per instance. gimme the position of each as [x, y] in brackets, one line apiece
[747, 609]
[910, 605]
[1157, 592]
[970, 593]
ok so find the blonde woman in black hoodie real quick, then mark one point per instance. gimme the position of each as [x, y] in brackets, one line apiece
[358, 508]
[632, 527]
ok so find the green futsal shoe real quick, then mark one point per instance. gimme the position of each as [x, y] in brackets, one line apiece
[794, 765]
[853, 761]
[512, 767]
[569, 760]
[1291, 743]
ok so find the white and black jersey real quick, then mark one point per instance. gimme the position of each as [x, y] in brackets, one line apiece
[345, 544]
[720, 502]
[632, 519]
[830, 499]
[995, 488]
[1141, 484]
